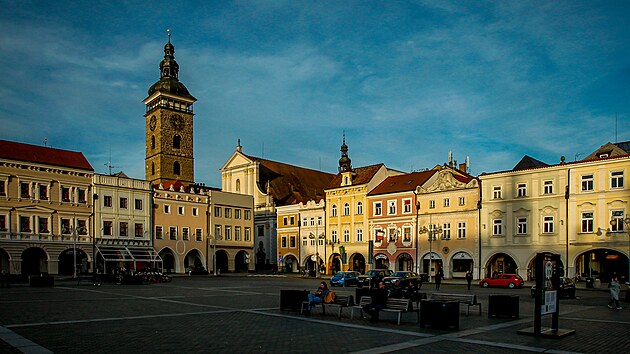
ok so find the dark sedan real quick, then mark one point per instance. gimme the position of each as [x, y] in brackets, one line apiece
[405, 278]
[567, 288]
[372, 277]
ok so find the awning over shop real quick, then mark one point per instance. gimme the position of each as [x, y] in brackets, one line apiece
[129, 254]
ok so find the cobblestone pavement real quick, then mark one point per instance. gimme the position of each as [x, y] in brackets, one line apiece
[241, 314]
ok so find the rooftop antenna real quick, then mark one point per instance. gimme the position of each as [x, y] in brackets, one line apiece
[168, 33]
[109, 163]
[45, 142]
[616, 141]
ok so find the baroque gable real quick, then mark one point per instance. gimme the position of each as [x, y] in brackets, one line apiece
[444, 182]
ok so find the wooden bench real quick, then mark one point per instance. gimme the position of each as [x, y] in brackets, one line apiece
[340, 302]
[467, 299]
[398, 306]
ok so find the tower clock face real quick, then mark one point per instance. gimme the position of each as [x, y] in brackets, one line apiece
[177, 121]
[152, 123]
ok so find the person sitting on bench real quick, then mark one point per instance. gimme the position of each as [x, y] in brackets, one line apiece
[379, 298]
[317, 297]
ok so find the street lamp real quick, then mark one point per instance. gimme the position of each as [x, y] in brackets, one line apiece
[332, 248]
[214, 251]
[431, 231]
[417, 238]
[626, 222]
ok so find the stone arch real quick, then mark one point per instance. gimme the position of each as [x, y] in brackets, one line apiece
[222, 261]
[404, 262]
[5, 261]
[169, 261]
[34, 261]
[241, 261]
[501, 263]
[461, 262]
[381, 261]
[68, 263]
[290, 263]
[600, 263]
[193, 261]
[356, 263]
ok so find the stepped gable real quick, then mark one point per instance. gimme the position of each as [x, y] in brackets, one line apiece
[403, 183]
[289, 184]
[11, 150]
[362, 175]
[528, 162]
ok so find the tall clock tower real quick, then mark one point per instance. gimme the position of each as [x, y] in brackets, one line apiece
[169, 125]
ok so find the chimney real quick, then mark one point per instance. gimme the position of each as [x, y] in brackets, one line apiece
[462, 167]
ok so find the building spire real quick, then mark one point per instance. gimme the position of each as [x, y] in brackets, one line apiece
[345, 164]
[169, 67]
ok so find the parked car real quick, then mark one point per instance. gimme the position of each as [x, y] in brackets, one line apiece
[372, 277]
[405, 278]
[345, 279]
[567, 288]
[503, 280]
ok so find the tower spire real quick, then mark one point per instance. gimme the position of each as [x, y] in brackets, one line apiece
[345, 164]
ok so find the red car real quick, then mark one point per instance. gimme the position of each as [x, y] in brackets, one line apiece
[503, 280]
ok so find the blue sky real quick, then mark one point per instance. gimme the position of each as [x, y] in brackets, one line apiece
[408, 81]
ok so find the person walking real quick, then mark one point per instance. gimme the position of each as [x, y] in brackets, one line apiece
[614, 292]
[469, 278]
[438, 279]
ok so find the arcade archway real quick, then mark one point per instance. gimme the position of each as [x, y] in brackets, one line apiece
[335, 263]
[68, 263]
[357, 263]
[241, 262]
[381, 261]
[194, 262]
[168, 260]
[34, 261]
[601, 263]
[404, 262]
[291, 264]
[4, 261]
[222, 261]
[501, 263]
[431, 262]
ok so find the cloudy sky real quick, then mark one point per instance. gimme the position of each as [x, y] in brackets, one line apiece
[408, 81]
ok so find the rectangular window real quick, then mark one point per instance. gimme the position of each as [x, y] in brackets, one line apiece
[587, 222]
[167, 209]
[159, 232]
[43, 192]
[107, 201]
[496, 192]
[185, 234]
[521, 190]
[260, 231]
[391, 207]
[446, 231]
[461, 230]
[123, 203]
[616, 224]
[305, 222]
[497, 227]
[312, 221]
[81, 195]
[407, 206]
[447, 202]
[248, 214]
[107, 228]
[3, 223]
[548, 187]
[172, 233]
[333, 235]
[431, 204]
[378, 208]
[346, 235]
[218, 230]
[319, 220]
[124, 229]
[548, 225]
[587, 183]
[199, 234]
[25, 190]
[180, 210]
[359, 235]
[285, 221]
[43, 225]
[65, 226]
[304, 241]
[138, 230]
[283, 243]
[462, 201]
[521, 226]
[195, 212]
[237, 213]
[292, 242]
[82, 227]
[248, 233]
[292, 220]
[228, 233]
[138, 204]
[616, 179]
[228, 213]
[217, 212]
[65, 194]
[3, 189]
[25, 224]
[237, 233]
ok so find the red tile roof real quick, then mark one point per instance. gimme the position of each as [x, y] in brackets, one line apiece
[11, 150]
[290, 184]
[402, 183]
[362, 175]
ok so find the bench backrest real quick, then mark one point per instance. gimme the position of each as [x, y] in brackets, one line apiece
[365, 300]
[398, 304]
[345, 300]
[469, 298]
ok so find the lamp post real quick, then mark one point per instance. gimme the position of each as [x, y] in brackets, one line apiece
[332, 248]
[214, 252]
[626, 223]
[431, 231]
[417, 240]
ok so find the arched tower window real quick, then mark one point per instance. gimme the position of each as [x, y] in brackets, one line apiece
[152, 141]
[176, 168]
[152, 168]
[238, 185]
[177, 142]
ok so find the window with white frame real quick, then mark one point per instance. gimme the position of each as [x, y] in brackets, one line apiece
[333, 235]
[107, 201]
[185, 233]
[304, 241]
[228, 233]
[199, 234]
[333, 210]
[108, 228]
[359, 208]
[587, 182]
[391, 207]
[138, 204]
[407, 234]
[461, 230]
[248, 233]
[462, 201]
[616, 224]
[292, 240]
[312, 221]
[431, 204]
[195, 211]
[305, 222]
[172, 232]
[283, 242]
[167, 209]
[548, 187]
[227, 213]
[159, 232]
[218, 230]
[248, 214]
[446, 231]
[237, 234]
[497, 227]
[359, 235]
[123, 203]
[237, 213]
[587, 221]
[496, 192]
[406, 206]
[319, 221]
[521, 190]
[346, 235]
[217, 211]
[346, 209]
[548, 224]
[393, 234]
[180, 210]
[447, 202]
[285, 220]
[378, 208]
[312, 241]
[521, 225]
[616, 179]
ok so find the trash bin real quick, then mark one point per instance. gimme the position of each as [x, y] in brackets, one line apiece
[503, 306]
[589, 282]
[439, 314]
[597, 283]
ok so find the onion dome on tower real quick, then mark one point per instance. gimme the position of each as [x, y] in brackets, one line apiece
[345, 164]
[169, 71]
